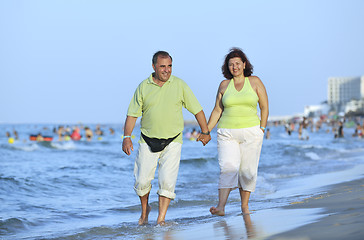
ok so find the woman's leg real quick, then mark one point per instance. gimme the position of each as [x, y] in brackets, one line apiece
[229, 160]
[223, 196]
[244, 195]
[250, 148]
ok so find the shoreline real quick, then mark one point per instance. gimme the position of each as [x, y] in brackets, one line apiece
[332, 211]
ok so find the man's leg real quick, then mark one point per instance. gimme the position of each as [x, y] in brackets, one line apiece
[167, 177]
[145, 209]
[144, 169]
[163, 206]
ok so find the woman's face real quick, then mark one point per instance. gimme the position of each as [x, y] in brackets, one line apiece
[236, 66]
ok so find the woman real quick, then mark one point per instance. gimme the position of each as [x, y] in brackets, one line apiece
[240, 131]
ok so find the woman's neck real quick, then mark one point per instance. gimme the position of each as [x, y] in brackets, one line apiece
[239, 78]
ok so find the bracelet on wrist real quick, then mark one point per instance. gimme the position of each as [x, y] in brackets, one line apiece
[263, 128]
[206, 133]
[126, 137]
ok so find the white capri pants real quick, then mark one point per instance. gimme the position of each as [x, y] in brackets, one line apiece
[146, 163]
[238, 154]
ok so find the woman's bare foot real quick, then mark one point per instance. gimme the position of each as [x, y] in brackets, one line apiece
[245, 210]
[161, 223]
[217, 211]
[144, 220]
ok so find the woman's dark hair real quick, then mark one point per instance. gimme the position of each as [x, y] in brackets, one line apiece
[163, 54]
[236, 52]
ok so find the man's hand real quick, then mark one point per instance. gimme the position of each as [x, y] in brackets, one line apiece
[204, 138]
[127, 146]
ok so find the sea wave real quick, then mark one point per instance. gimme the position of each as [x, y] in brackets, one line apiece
[12, 225]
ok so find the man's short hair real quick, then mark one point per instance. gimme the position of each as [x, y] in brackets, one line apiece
[162, 54]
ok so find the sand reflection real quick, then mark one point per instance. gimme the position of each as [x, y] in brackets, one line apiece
[245, 230]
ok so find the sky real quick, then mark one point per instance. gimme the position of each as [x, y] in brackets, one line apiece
[70, 61]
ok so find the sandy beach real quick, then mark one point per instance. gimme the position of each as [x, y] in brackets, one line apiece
[334, 212]
[343, 205]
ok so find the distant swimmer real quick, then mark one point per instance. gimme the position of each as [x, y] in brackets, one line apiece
[10, 139]
[304, 125]
[60, 133]
[75, 135]
[98, 131]
[89, 134]
[340, 131]
[267, 134]
[16, 136]
[40, 138]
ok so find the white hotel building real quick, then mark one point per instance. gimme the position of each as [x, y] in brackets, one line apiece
[344, 94]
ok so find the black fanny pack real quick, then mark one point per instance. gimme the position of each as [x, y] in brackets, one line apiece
[158, 144]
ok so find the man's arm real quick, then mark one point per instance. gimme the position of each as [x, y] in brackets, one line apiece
[205, 134]
[128, 129]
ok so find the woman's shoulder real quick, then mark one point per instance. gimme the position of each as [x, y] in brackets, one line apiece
[223, 85]
[225, 82]
[255, 81]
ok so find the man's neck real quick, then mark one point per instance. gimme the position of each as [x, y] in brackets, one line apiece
[158, 82]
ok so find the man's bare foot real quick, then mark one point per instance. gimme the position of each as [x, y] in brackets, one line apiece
[144, 220]
[216, 211]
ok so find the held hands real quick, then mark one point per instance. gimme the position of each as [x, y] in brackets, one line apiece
[204, 138]
[127, 146]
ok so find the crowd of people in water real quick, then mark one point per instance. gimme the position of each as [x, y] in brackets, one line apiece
[303, 126]
[76, 133]
[64, 133]
[335, 126]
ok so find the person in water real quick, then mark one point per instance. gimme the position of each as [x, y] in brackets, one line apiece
[76, 135]
[159, 100]
[240, 132]
[89, 134]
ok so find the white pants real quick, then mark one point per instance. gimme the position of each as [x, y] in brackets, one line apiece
[239, 153]
[146, 163]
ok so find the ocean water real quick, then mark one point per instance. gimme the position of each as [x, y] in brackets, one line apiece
[84, 190]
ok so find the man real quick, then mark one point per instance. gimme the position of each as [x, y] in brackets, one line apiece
[159, 100]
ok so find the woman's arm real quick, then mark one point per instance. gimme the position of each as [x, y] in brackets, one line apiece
[219, 108]
[263, 102]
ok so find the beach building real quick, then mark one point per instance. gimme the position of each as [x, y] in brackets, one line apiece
[342, 90]
[316, 110]
[355, 107]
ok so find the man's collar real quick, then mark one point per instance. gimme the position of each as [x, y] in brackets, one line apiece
[150, 79]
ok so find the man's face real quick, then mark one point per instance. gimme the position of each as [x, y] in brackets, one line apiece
[163, 69]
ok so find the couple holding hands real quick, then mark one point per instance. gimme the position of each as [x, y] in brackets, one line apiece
[159, 100]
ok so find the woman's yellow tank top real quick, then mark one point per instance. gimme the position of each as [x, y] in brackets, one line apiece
[240, 107]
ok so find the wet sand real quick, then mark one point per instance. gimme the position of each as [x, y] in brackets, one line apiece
[343, 205]
[335, 212]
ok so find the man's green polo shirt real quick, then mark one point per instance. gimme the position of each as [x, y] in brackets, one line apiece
[161, 107]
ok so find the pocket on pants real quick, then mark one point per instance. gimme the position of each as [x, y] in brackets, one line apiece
[223, 134]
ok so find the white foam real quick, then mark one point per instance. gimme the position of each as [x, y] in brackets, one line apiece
[27, 148]
[312, 155]
[64, 146]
